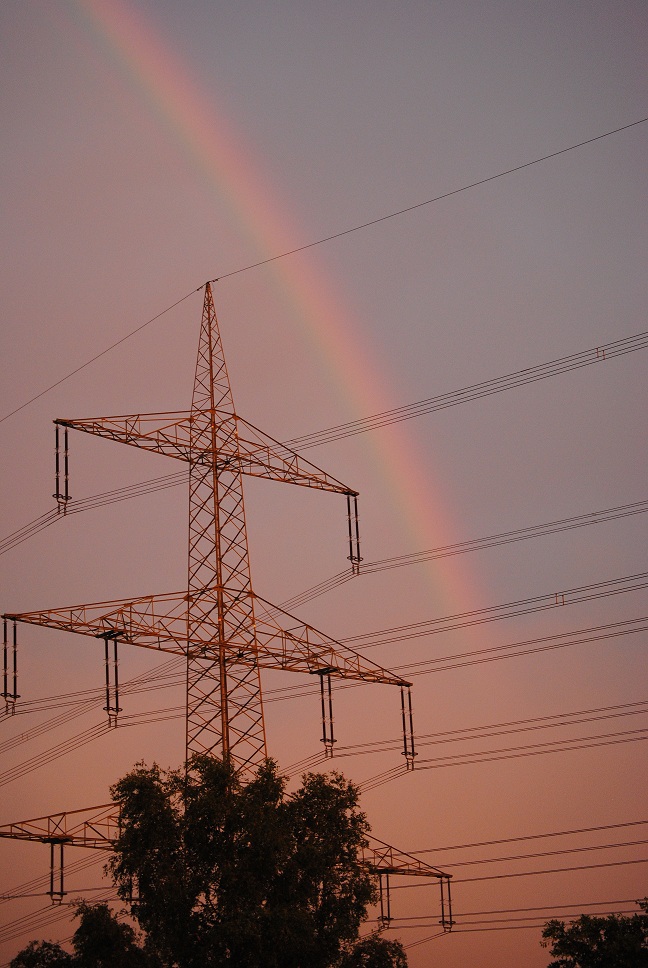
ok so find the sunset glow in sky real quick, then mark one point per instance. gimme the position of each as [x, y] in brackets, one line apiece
[149, 146]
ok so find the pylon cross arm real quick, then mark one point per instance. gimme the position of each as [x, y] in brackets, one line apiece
[263, 456]
[284, 642]
[159, 622]
[98, 827]
[389, 859]
[95, 827]
[155, 622]
[166, 433]
[239, 445]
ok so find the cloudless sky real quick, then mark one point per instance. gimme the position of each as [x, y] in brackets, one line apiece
[150, 145]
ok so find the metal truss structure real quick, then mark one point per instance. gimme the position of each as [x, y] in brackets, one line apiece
[225, 631]
[98, 828]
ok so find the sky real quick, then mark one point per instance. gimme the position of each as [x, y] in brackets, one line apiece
[149, 146]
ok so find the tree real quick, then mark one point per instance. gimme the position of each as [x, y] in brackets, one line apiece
[226, 873]
[615, 941]
[100, 941]
[375, 952]
[42, 954]
[221, 873]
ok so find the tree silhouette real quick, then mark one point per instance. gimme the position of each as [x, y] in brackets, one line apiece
[217, 872]
[614, 941]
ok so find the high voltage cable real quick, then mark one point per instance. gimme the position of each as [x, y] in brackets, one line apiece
[82, 706]
[519, 752]
[520, 534]
[153, 679]
[149, 681]
[82, 739]
[494, 925]
[497, 613]
[561, 640]
[497, 653]
[476, 732]
[98, 356]
[153, 485]
[475, 392]
[273, 695]
[576, 905]
[330, 238]
[54, 753]
[383, 420]
[429, 201]
[546, 853]
[512, 753]
[363, 425]
[577, 831]
[464, 547]
[37, 919]
[583, 593]
[558, 870]
[88, 503]
[504, 729]
[176, 712]
[511, 874]
[43, 880]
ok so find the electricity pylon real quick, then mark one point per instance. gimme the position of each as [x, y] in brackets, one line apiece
[225, 632]
[98, 828]
[223, 629]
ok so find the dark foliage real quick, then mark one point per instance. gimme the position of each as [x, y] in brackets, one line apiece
[615, 941]
[227, 873]
[221, 873]
[42, 954]
[100, 941]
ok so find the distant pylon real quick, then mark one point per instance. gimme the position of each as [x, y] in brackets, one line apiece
[214, 623]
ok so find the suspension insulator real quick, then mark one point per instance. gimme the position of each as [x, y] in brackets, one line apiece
[327, 713]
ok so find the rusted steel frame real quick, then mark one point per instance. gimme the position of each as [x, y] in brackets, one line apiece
[305, 643]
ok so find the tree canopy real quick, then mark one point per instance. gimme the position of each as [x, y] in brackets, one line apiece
[100, 941]
[218, 872]
[614, 941]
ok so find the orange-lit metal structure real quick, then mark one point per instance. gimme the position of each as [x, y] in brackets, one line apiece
[98, 828]
[225, 631]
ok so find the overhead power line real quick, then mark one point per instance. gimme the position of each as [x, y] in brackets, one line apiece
[572, 832]
[557, 870]
[476, 391]
[463, 547]
[512, 753]
[321, 241]
[98, 356]
[533, 873]
[428, 201]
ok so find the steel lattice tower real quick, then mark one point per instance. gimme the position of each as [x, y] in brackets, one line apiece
[223, 629]
[228, 695]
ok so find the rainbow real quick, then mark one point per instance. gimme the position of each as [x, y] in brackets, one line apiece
[218, 152]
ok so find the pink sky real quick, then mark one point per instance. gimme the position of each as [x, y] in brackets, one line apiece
[149, 147]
